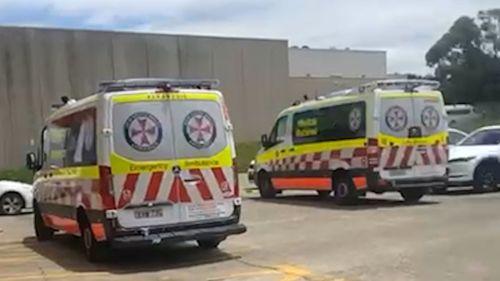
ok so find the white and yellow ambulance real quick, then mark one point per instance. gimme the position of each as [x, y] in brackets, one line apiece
[141, 162]
[387, 135]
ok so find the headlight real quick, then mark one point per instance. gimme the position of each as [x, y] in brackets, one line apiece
[463, 159]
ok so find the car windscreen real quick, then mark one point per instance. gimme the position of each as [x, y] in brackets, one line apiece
[486, 137]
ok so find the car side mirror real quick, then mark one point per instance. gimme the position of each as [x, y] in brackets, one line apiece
[32, 161]
[264, 141]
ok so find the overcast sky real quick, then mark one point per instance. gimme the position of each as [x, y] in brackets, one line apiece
[405, 29]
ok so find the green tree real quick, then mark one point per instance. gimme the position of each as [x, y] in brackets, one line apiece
[466, 59]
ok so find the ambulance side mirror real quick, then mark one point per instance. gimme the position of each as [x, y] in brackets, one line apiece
[264, 141]
[32, 162]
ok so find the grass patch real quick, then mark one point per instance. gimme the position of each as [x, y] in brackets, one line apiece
[245, 152]
[21, 174]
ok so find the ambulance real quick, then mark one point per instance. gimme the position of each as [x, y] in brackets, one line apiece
[141, 162]
[388, 135]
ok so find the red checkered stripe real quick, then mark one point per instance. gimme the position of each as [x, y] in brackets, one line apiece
[74, 193]
[322, 160]
[406, 156]
[210, 184]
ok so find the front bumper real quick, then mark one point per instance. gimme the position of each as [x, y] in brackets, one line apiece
[460, 172]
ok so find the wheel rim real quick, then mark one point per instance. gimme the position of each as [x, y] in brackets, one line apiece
[87, 238]
[12, 205]
[487, 180]
[342, 190]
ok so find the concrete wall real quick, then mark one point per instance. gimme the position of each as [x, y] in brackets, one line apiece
[333, 62]
[37, 66]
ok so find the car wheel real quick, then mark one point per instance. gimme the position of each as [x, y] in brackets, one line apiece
[412, 195]
[95, 251]
[266, 188]
[485, 178]
[42, 232]
[344, 191]
[210, 243]
[11, 203]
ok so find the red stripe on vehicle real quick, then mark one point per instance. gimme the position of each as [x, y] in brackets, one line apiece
[335, 154]
[406, 157]
[153, 186]
[221, 181]
[202, 185]
[435, 151]
[425, 158]
[317, 156]
[178, 192]
[359, 152]
[392, 157]
[128, 190]
[105, 186]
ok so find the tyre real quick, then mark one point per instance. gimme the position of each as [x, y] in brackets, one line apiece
[485, 178]
[11, 204]
[324, 194]
[412, 195]
[95, 251]
[210, 243]
[344, 191]
[42, 232]
[266, 188]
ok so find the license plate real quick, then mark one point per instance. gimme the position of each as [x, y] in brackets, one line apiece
[397, 172]
[147, 214]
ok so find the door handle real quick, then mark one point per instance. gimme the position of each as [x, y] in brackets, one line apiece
[282, 151]
[291, 149]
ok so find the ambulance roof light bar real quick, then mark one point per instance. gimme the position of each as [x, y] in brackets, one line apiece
[161, 83]
[408, 85]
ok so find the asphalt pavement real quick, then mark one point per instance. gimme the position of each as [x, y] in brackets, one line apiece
[294, 237]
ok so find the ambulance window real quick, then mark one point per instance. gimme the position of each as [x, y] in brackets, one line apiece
[279, 131]
[71, 140]
[338, 122]
[199, 129]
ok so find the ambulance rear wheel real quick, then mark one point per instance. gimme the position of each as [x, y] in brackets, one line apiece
[344, 191]
[412, 195]
[209, 243]
[265, 185]
[95, 251]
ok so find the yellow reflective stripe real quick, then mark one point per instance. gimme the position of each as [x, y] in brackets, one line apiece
[298, 150]
[388, 140]
[397, 95]
[122, 165]
[84, 172]
[164, 96]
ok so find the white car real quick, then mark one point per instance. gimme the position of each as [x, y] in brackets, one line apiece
[476, 160]
[14, 197]
[455, 136]
[462, 115]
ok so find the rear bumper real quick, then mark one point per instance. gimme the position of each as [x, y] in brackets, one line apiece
[377, 184]
[177, 236]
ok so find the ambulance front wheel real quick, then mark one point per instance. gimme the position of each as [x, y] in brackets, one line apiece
[344, 191]
[412, 195]
[42, 232]
[265, 185]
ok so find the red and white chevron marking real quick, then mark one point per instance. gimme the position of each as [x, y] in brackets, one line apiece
[406, 156]
[328, 159]
[79, 192]
[191, 186]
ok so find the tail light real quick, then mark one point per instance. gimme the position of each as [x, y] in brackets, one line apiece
[373, 153]
[236, 179]
[106, 187]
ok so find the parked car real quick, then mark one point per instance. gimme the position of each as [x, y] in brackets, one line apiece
[14, 197]
[455, 136]
[251, 172]
[476, 160]
[462, 115]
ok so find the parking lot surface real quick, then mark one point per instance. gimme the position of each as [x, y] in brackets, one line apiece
[294, 237]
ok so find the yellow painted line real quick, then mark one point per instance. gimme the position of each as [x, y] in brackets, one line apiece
[244, 274]
[16, 260]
